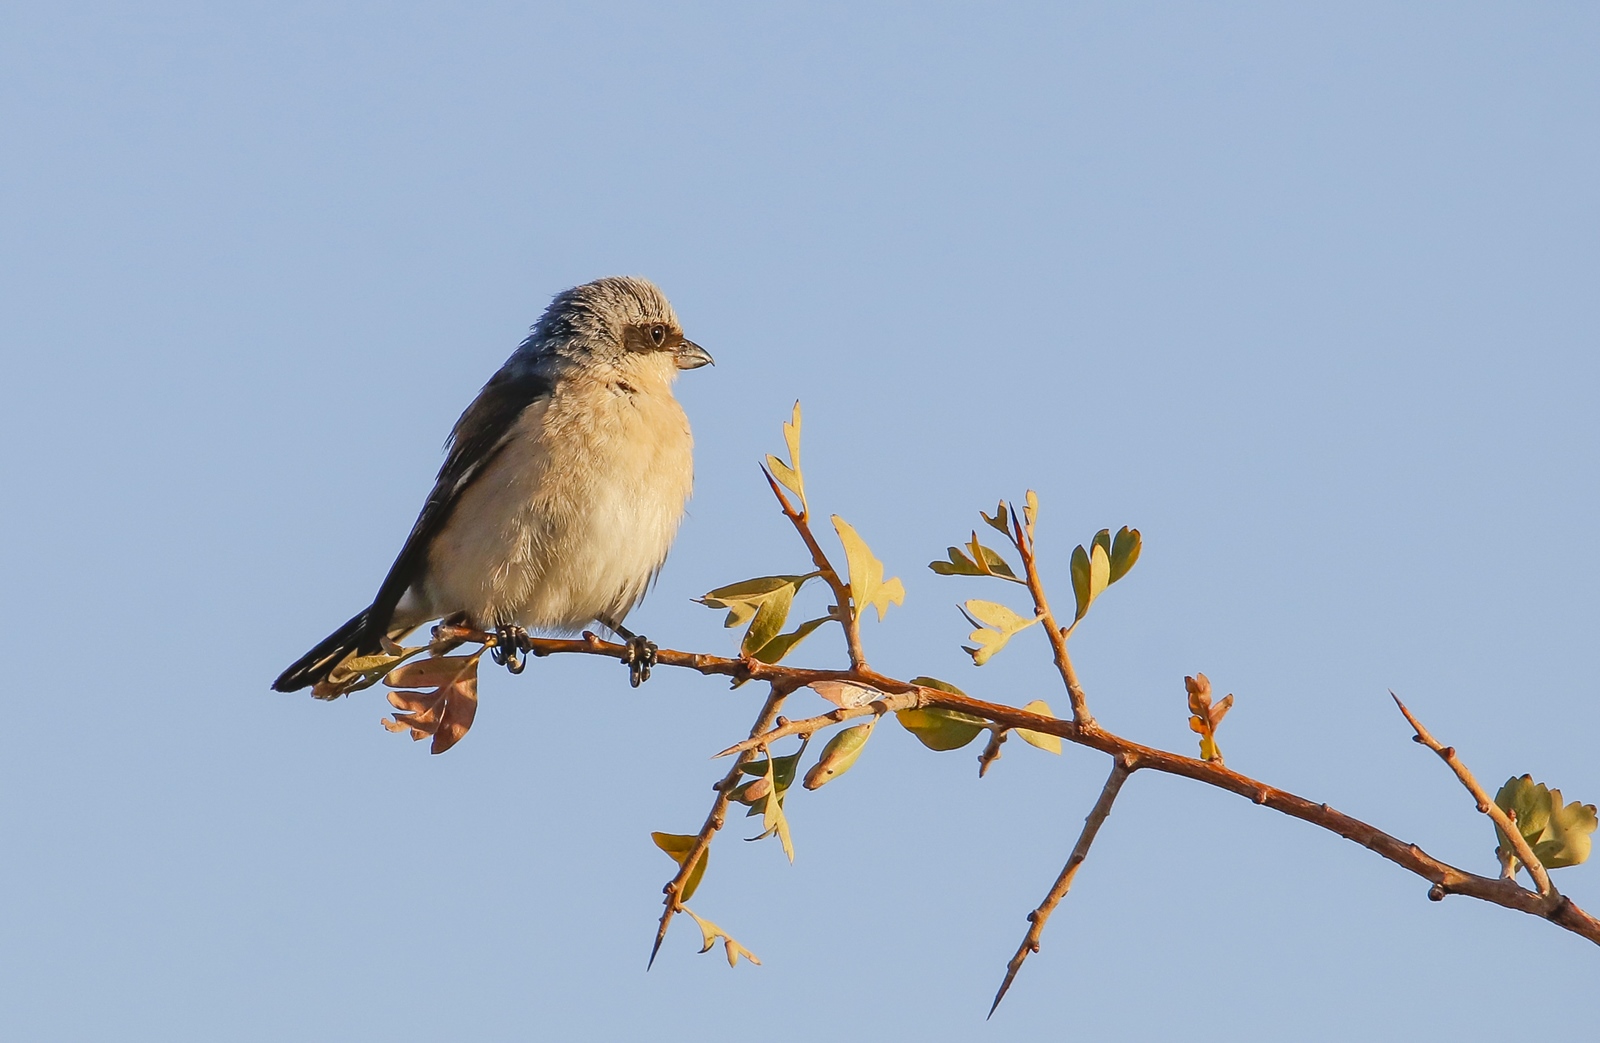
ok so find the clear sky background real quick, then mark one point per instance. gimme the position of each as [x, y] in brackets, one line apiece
[1307, 293]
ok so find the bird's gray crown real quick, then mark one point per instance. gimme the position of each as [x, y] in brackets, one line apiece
[591, 319]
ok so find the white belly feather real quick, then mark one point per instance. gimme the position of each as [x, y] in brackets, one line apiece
[552, 546]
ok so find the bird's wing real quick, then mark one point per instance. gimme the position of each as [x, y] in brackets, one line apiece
[477, 438]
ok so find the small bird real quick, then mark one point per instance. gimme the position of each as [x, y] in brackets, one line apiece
[562, 488]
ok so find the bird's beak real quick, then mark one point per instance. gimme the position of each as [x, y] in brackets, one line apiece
[692, 356]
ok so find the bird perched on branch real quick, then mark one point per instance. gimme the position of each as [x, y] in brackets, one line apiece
[562, 488]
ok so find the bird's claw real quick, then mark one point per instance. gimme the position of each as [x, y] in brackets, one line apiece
[641, 659]
[510, 642]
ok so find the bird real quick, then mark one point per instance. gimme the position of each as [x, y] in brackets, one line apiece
[562, 489]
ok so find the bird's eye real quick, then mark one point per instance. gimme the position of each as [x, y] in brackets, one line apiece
[658, 335]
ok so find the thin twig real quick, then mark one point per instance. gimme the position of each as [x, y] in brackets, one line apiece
[1519, 843]
[1022, 539]
[1120, 770]
[714, 821]
[846, 611]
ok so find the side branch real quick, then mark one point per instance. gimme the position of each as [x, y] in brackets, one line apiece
[714, 821]
[845, 610]
[1519, 843]
[1022, 539]
[1120, 770]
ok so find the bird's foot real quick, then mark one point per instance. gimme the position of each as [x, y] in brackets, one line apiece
[509, 643]
[641, 659]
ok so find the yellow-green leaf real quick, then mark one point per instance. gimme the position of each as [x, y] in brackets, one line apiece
[941, 729]
[787, 477]
[994, 614]
[1529, 803]
[1124, 552]
[1043, 740]
[1005, 624]
[677, 845]
[1030, 510]
[1099, 571]
[789, 474]
[1560, 834]
[1566, 840]
[710, 932]
[867, 585]
[839, 755]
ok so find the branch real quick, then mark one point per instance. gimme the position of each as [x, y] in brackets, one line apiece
[1446, 878]
[714, 821]
[900, 695]
[1120, 770]
[1519, 843]
[845, 608]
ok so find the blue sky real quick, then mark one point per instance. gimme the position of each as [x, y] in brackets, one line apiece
[1304, 292]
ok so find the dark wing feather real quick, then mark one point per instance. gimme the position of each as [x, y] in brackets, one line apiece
[477, 439]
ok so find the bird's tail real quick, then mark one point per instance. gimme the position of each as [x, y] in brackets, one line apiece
[357, 637]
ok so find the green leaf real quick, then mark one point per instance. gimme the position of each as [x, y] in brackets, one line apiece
[1102, 539]
[989, 560]
[774, 651]
[763, 602]
[769, 620]
[934, 682]
[839, 755]
[1000, 520]
[941, 729]
[867, 585]
[1124, 552]
[1081, 581]
[677, 845]
[958, 565]
[1091, 573]
[772, 817]
[1043, 740]
[783, 769]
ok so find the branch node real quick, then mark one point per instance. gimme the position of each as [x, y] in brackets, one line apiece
[1437, 892]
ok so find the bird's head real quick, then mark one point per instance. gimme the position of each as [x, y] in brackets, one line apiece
[622, 323]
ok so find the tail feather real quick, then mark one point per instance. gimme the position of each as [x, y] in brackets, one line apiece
[357, 637]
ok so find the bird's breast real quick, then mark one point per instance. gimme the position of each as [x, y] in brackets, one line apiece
[574, 515]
